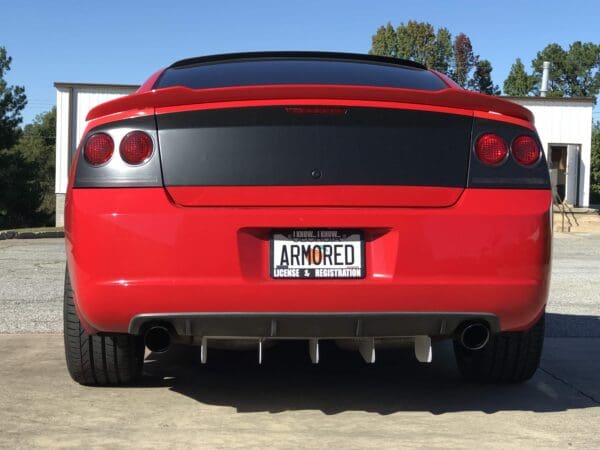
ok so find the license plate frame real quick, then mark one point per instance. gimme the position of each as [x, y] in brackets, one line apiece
[324, 238]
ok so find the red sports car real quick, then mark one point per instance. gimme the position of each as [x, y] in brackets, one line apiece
[255, 197]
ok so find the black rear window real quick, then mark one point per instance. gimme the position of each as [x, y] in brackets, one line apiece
[298, 71]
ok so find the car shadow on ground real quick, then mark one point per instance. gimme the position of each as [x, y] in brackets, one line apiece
[341, 382]
[570, 325]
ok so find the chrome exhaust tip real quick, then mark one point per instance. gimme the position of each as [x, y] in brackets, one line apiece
[157, 339]
[474, 336]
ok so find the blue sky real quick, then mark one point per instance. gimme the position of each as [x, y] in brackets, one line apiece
[125, 41]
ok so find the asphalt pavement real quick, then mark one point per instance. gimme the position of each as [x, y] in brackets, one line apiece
[288, 403]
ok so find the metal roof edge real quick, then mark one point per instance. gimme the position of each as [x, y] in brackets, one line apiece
[590, 100]
[66, 84]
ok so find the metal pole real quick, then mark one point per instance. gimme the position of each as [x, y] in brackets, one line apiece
[545, 76]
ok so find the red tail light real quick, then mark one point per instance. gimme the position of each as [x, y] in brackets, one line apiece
[136, 148]
[491, 149]
[526, 150]
[324, 110]
[98, 149]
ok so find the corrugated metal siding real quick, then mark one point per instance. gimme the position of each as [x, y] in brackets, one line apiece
[62, 140]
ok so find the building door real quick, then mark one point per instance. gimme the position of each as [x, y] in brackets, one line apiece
[564, 171]
[572, 175]
[558, 169]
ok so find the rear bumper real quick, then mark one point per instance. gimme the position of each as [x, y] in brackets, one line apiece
[312, 325]
[133, 252]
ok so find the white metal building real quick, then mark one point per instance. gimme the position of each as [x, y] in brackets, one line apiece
[564, 126]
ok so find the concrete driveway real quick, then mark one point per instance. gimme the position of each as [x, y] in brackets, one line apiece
[287, 402]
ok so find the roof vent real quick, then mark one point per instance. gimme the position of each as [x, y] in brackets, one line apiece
[545, 75]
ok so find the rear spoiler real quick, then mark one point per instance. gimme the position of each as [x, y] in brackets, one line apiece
[178, 96]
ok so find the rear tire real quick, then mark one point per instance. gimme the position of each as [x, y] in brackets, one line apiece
[98, 360]
[508, 357]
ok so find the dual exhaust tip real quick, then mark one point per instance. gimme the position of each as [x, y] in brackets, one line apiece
[472, 336]
[158, 339]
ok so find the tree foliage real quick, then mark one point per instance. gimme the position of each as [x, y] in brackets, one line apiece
[557, 56]
[595, 163]
[443, 51]
[464, 59]
[384, 42]
[416, 41]
[518, 82]
[482, 79]
[573, 73]
[12, 102]
[37, 146]
[21, 180]
[421, 42]
[20, 192]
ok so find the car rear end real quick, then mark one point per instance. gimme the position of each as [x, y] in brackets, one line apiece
[305, 196]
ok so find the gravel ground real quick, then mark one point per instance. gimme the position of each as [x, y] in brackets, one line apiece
[31, 285]
[32, 275]
[575, 287]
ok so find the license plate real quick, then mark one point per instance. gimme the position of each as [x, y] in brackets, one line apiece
[317, 254]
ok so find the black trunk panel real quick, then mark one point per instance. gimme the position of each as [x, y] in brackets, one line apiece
[268, 146]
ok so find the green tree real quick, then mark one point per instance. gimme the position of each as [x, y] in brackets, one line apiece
[20, 193]
[443, 51]
[417, 41]
[582, 69]
[464, 59]
[595, 172]
[518, 82]
[557, 57]
[12, 102]
[420, 42]
[482, 79]
[573, 73]
[384, 42]
[37, 146]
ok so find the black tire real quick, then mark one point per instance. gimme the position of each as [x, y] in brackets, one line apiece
[508, 357]
[98, 360]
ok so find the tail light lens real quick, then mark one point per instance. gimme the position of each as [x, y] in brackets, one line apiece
[98, 149]
[136, 148]
[491, 149]
[525, 150]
